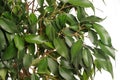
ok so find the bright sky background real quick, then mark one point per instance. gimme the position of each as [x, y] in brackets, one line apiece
[112, 25]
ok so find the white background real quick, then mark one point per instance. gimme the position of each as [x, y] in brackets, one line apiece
[112, 24]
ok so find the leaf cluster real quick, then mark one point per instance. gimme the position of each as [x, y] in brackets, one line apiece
[46, 40]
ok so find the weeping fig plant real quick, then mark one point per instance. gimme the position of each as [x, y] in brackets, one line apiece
[46, 40]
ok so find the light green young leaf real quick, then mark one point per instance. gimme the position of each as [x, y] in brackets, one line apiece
[66, 73]
[61, 47]
[3, 73]
[104, 36]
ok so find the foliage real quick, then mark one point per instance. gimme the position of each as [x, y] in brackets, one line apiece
[47, 40]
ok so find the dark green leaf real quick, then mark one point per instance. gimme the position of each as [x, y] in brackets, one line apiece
[87, 57]
[61, 47]
[99, 54]
[69, 40]
[50, 31]
[67, 32]
[71, 19]
[53, 66]
[34, 39]
[49, 44]
[93, 36]
[65, 64]
[105, 64]
[33, 19]
[27, 60]
[49, 9]
[3, 73]
[107, 50]
[104, 36]
[8, 25]
[9, 37]
[2, 40]
[19, 42]
[82, 3]
[50, 2]
[74, 27]
[10, 52]
[40, 2]
[31, 49]
[62, 19]
[34, 77]
[43, 66]
[80, 13]
[92, 19]
[66, 73]
[76, 49]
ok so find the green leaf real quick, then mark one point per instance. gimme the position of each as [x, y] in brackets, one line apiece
[40, 2]
[69, 40]
[19, 42]
[107, 50]
[62, 19]
[33, 18]
[99, 54]
[76, 49]
[50, 2]
[34, 77]
[92, 19]
[66, 73]
[71, 19]
[27, 60]
[49, 9]
[80, 13]
[2, 41]
[8, 25]
[87, 57]
[33, 22]
[53, 65]
[93, 36]
[81, 3]
[74, 27]
[61, 47]
[65, 63]
[68, 32]
[104, 36]
[10, 52]
[34, 39]
[31, 49]
[105, 64]
[43, 66]
[49, 44]
[3, 73]
[50, 31]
